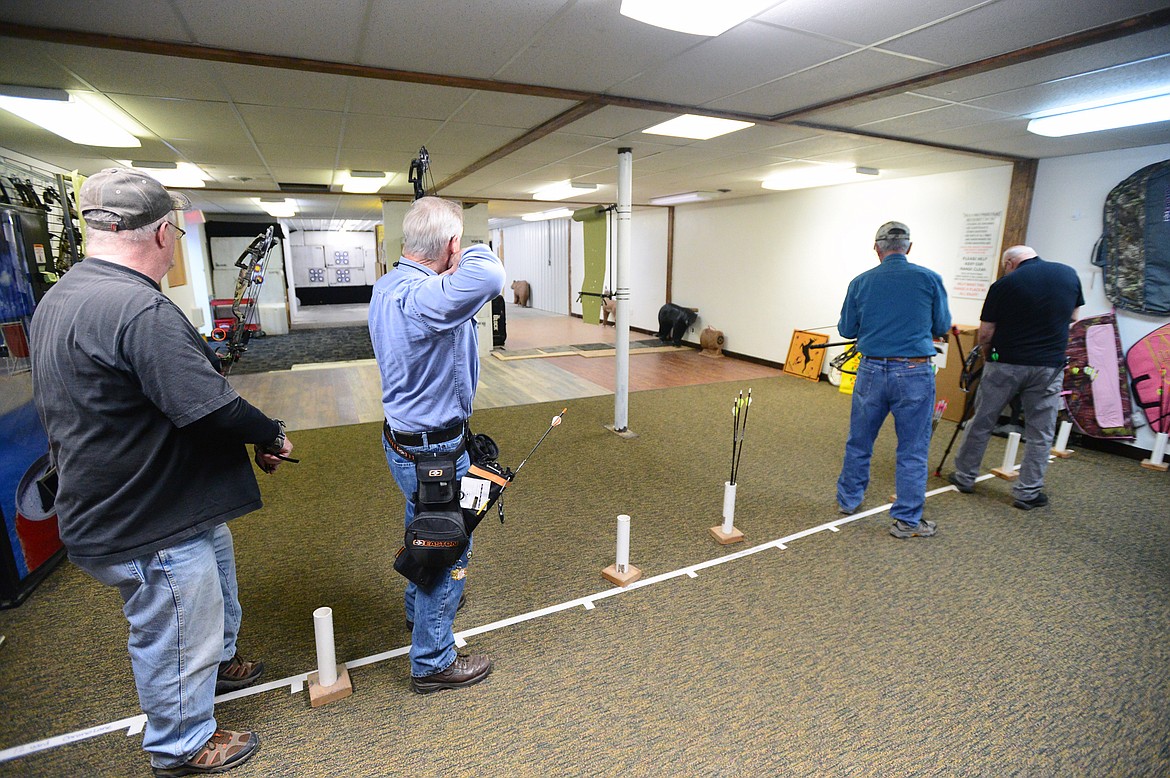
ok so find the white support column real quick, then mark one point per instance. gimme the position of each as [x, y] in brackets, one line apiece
[621, 292]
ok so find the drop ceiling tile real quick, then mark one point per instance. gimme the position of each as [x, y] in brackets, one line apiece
[183, 119]
[466, 39]
[379, 97]
[289, 155]
[875, 110]
[252, 85]
[202, 152]
[825, 143]
[303, 175]
[131, 18]
[840, 78]
[1000, 27]
[389, 134]
[506, 110]
[469, 139]
[746, 56]
[861, 21]
[296, 29]
[290, 125]
[592, 47]
[33, 63]
[131, 73]
[924, 123]
[1116, 84]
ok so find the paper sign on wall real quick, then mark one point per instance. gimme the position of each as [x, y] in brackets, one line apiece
[977, 255]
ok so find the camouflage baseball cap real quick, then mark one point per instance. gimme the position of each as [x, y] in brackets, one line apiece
[892, 231]
[121, 199]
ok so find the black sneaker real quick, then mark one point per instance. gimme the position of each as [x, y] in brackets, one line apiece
[1039, 501]
[954, 479]
[923, 529]
[464, 671]
[459, 607]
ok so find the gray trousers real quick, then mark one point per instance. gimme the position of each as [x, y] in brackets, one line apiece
[1039, 389]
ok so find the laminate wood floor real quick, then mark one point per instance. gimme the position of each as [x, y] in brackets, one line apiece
[336, 394]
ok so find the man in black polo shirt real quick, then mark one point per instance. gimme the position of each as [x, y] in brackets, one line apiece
[148, 441]
[1023, 331]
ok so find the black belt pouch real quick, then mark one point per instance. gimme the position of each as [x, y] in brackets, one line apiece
[437, 537]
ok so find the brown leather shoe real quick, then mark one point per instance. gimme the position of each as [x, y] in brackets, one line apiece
[223, 751]
[464, 671]
[236, 673]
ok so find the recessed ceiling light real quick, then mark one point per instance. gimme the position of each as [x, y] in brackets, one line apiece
[365, 181]
[697, 127]
[70, 116]
[683, 197]
[821, 175]
[562, 190]
[1074, 121]
[697, 17]
[179, 175]
[555, 213]
[277, 207]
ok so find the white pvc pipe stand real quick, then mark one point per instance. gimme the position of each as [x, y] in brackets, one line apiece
[728, 507]
[1155, 461]
[1062, 438]
[623, 544]
[326, 653]
[1008, 470]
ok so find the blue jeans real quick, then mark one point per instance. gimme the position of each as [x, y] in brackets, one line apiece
[905, 389]
[184, 616]
[1039, 389]
[432, 647]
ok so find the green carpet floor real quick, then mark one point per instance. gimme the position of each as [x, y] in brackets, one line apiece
[1012, 643]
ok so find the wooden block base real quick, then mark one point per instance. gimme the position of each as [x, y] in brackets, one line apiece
[321, 695]
[1150, 464]
[1063, 453]
[612, 575]
[724, 538]
[1007, 475]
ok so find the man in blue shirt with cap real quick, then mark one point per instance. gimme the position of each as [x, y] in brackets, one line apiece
[894, 311]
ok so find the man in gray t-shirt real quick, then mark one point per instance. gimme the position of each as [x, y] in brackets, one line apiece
[149, 444]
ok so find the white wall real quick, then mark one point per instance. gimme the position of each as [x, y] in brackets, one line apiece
[1066, 220]
[759, 268]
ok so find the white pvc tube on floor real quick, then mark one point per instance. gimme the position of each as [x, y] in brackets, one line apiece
[728, 507]
[1159, 448]
[326, 656]
[1062, 438]
[623, 544]
[1009, 455]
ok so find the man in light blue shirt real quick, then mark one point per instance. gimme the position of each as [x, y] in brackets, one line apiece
[423, 332]
[894, 311]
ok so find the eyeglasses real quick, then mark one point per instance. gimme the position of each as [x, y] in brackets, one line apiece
[180, 230]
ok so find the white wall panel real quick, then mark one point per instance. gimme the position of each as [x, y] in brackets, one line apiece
[538, 252]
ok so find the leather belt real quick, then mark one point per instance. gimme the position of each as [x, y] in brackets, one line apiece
[423, 438]
[900, 359]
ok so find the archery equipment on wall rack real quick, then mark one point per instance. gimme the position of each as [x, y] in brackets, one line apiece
[253, 264]
[419, 173]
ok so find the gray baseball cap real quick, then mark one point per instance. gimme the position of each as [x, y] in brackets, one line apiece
[892, 231]
[121, 199]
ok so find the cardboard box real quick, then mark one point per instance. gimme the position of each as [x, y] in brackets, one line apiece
[946, 380]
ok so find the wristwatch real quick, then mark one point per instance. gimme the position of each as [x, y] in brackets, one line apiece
[277, 444]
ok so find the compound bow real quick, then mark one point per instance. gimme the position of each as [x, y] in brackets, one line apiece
[419, 167]
[253, 265]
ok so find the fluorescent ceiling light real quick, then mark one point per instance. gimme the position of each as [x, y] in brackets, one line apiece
[822, 175]
[697, 17]
[178, 175]
[683, 197]
[72, 118]
[562, 190]
[1103, 117]
[365, 181]
[555, 213]
[277, 207]
[697, 127]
